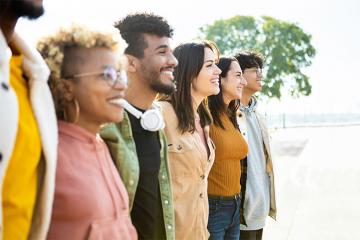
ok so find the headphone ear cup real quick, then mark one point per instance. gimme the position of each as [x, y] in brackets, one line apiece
[152, 120]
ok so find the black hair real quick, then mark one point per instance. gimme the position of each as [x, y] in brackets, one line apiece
[217, 105]
[133, 27]
[250, 59]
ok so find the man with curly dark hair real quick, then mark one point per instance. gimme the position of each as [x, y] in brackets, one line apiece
[258, 179]
[139, 152]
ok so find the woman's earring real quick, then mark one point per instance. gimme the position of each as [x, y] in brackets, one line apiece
[77, 109]
[77, 112]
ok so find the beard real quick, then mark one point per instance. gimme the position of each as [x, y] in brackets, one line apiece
[154, 78]
[23, 8]
[162, 88]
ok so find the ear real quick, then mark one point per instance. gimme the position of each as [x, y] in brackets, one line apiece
[67, 89]
[133, 63]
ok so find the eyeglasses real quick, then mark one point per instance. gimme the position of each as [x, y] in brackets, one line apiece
[259, 71]
[109, 74]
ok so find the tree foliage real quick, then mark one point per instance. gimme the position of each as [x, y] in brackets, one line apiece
[286, 47]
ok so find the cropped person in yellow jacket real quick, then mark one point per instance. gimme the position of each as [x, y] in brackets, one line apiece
[28, 130]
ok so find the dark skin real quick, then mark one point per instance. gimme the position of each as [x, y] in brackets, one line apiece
[8, 22]
[9, 17]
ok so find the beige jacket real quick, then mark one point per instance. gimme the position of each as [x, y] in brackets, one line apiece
[40, 96]
[189, 169]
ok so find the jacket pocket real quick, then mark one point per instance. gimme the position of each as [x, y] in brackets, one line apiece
[181, 146]
[120, 228]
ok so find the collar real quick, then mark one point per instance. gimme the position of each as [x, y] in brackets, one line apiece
[78, 132]
[33, 65]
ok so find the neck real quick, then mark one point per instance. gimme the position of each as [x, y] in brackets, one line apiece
[196, 99]
[82, 120]
[139, 95]
[89, 126]
[245, 98]
[7, 24]
[226, 100]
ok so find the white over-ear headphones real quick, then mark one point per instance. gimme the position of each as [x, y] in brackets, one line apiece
[151, 120]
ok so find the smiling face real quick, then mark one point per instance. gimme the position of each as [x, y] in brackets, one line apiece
[207, 81]
[96, 97]
[232, 85]
[157, 66]
[253, 77]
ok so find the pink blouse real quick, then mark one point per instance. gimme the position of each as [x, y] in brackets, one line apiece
[90, 200]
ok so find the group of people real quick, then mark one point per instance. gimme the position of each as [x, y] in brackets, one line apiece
[152, 143]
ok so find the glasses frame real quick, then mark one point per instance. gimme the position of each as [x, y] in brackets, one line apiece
[105, 75]
[257, 70]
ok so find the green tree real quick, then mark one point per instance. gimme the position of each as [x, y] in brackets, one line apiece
[286, 47]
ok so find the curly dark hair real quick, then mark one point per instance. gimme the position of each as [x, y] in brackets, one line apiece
[133, 27]
[250, 59]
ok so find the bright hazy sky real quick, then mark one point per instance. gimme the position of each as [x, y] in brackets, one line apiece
[332, 23]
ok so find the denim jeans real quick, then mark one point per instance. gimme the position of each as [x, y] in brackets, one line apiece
[224, 218]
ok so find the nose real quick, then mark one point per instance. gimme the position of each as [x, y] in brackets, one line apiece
[172, 60]
[120, 85]
[217, 70]
[243, 81]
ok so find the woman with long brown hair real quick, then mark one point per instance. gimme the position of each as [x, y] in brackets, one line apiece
[224, 180]
[187, 120]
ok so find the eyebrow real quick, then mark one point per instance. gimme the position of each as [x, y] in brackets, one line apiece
[162, 46]
[212, 61]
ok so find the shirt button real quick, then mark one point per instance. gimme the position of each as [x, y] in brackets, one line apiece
[163, 177]
[179, 147]
[201, 195]
[131, 182]
[169, 227]
[166, 202]
[202, 177]
[4, 86]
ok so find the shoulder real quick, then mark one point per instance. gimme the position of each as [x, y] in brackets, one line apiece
[167, 110]
[163, 106]
[115, 131]
[170, 119]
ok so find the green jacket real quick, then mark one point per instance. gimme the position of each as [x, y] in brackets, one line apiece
[121, 144]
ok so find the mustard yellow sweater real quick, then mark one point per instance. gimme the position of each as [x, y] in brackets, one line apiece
[231, 147]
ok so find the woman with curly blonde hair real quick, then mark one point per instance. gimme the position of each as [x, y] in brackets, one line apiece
[90, 199]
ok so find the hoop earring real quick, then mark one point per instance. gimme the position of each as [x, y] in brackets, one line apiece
[77, 109]
[77, 112]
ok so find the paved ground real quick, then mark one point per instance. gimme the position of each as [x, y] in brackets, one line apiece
[318, 184]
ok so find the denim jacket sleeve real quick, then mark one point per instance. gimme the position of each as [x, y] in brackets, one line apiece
[118, 137]
[121, 144]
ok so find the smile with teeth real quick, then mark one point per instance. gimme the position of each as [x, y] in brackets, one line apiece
[116, 101]
[215, 81]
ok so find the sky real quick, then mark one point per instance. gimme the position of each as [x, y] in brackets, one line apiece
[332, 24]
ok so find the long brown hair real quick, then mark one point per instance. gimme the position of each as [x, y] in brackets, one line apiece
[216, 102]
[191, 59]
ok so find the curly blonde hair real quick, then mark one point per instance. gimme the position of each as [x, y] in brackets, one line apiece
[53, 48]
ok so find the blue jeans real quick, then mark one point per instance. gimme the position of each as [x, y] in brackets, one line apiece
[224, 217]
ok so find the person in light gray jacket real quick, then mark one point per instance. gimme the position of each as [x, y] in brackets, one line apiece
[259, 199]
